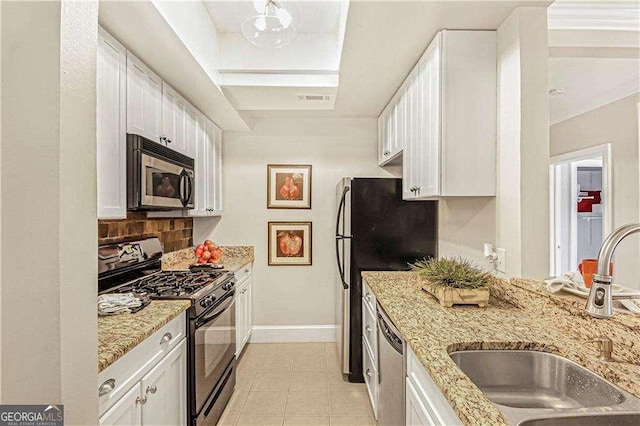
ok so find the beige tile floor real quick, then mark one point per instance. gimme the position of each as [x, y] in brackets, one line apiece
[295, 384]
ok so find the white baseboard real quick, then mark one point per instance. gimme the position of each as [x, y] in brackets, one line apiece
[292, 333]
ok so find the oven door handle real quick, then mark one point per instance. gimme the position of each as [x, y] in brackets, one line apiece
[203, 320]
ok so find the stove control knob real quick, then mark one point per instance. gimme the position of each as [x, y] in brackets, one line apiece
[228, 286]
[206, 302]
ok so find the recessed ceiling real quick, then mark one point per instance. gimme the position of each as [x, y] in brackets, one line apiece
[384, 40]
[314, 17]
[594, 49]
[589, 83]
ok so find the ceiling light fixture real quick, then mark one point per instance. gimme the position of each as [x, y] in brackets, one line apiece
[272, 26]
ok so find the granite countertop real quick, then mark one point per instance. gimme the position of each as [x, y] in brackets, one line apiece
[521, 315]
[233, 258]
[118, 334]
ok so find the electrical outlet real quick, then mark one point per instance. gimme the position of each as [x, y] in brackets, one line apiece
[501, 262]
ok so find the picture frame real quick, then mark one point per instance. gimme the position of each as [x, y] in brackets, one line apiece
[289, 186]
[290, 243]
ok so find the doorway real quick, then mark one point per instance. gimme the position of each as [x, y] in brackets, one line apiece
[580, 206]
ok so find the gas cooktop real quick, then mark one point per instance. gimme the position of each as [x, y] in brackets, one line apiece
[174, 284]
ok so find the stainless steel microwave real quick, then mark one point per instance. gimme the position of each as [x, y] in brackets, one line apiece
[158, 178]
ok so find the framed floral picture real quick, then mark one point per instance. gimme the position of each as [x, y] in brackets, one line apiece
[289, 243]
[288, 186]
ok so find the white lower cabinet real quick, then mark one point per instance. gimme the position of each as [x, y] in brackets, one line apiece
[244, 285]
[370, 345]
[165, 387]
[416, 412]
[148, 385]
[127, 411]
[425, 403]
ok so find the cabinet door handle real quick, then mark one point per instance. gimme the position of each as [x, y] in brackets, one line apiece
[244, 290]
[368, 372]
[368, 297]
[166, 338]
[152, 389]
[246, 271]
[141, 399]
[368, 329]
[107, 387]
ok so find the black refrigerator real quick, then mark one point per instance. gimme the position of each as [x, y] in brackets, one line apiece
[375, 231]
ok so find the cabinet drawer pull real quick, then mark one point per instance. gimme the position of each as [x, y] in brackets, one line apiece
[368, 329]
[367, 297]
[107, 387]
[141, 399]
[368, 372]
[166, 338]
[246, 271]
[152, 389]
[244, 290]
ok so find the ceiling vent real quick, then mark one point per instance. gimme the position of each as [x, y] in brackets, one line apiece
[313, 98]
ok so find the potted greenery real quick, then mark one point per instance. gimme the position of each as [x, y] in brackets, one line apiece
[454, 281]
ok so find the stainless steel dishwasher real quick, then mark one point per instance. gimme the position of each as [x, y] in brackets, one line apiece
[391, 372]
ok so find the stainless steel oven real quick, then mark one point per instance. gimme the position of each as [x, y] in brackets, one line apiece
[158, 178]
[212, 360]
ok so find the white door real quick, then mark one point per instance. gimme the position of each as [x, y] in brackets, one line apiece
[165, 388]
[174, 119]
[111, 127]
[416, 413]
[249, 313]
[201, 164]
[214, 168]
[179, 142]
[192, 116]
[241, 309]
[428, 144]
[169, 116]
[243, 314]
[144, 100]
[126, 412]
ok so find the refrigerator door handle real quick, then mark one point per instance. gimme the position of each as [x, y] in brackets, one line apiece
[340, 237]
[342, 202]
[340, 270]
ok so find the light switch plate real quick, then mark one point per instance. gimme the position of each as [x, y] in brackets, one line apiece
[501, 262]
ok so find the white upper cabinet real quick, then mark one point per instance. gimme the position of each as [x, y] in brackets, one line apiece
[443, 119]
[131, 98]
[192, 116]
[174, 119]
[144, 100]
[111, 127]
[452, 149]
[208, 168]
[214, 167]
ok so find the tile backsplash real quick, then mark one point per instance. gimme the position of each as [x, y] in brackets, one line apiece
[175, 234]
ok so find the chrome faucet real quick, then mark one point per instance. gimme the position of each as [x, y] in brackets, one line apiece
[599, 304]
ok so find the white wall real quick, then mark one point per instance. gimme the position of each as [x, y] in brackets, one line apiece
[464, 225]
[616, 123]
[49, 271]
[296, 295]
[522, 202]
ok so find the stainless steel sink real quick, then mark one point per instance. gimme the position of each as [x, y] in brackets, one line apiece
[527, 384]
[529, 379]
[613, 419]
